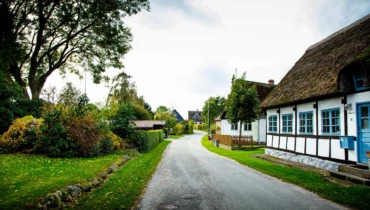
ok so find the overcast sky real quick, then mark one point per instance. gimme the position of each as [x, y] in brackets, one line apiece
[185, 51]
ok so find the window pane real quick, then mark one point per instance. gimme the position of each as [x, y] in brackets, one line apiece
[365, 123]
[364, 111]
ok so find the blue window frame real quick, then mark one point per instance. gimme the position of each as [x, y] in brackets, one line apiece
[287, 123]
[330, 121]
[273, 123]
[247, 126]
[359, 78]
[234, 126]
[306, 122]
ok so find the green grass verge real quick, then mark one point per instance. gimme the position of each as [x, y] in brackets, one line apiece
[24, 178]
[126, 185]
[176, 136]
[352, 196]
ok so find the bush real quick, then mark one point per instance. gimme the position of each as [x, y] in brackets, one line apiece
[55, 140]
[178, 129]
[118, 142]
[154, 138]
[139, 140]
[21, 134]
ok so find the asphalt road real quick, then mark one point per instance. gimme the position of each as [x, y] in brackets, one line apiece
[191, 177]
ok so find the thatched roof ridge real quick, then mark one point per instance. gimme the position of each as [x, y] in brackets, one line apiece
[316, 73]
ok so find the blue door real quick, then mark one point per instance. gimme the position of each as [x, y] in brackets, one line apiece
[363, 139]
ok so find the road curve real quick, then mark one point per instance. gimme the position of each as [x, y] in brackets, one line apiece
[191, 177]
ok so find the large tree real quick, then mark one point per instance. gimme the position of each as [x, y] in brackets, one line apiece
[216, 106]
[243, 103]
[38, 37]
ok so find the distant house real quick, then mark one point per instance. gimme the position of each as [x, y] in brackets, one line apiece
[150, 124]
[321, 108]
[256, 129]
[178, 116]
[196, 116]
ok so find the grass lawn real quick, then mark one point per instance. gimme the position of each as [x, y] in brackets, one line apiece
[127, 184]
[352, 196]
[172, 136]
[24, 178]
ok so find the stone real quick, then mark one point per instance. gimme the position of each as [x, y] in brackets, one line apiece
[124, 160]
[65, 196]
[74, 191]
[85, 187]
[96, 182]
[103, 175]
[112, 168]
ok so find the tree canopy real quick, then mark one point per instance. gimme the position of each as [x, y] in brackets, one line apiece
[243, 103]
[38, 37]
[216, 106]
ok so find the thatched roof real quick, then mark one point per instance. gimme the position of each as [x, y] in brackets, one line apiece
[317, 74]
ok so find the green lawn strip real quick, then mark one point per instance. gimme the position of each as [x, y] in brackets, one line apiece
[24, 178]
[353, 196]
[125, 186]
[176, 136]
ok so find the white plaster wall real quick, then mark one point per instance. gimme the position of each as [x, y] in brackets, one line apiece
[283, 140]
[262, 129]
[352, 154]
[269, 140]
[323, 148]
[336, 151]
[311, 146]
[300, 145]
[226, 129]
[290, 144]
[275, 142]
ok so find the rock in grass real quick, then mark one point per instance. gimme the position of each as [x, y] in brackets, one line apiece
[85, 187]
[112, 168]
[124, 160]
[65, 196]
[53, 200]
[74, 191]
[103, 175]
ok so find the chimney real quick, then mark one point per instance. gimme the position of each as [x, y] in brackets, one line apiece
[271, 82]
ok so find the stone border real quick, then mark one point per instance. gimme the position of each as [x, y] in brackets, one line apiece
[311, 161]
[59, 198]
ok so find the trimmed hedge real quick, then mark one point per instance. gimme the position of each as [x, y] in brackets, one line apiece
[154, 137]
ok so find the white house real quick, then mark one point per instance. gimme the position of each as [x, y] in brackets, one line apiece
[256, 129]
[321, 108]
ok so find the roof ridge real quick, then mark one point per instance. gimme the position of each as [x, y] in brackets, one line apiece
[343, 30]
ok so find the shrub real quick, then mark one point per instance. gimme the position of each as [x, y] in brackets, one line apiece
[154, 137]
[118, 142]
[139, 140]
[178, 129]
[55, 140]
[21, 134]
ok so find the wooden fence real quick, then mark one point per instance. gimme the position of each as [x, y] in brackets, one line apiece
[244, 140]
[223, 139]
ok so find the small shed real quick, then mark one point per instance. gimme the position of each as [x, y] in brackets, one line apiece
[150, 124]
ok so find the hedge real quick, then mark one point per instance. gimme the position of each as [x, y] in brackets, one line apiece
[154, 137]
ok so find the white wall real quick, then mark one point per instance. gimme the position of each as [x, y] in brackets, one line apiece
[324, 145]
[259, 125]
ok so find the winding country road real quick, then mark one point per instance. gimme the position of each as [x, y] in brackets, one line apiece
[191, 177]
